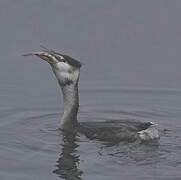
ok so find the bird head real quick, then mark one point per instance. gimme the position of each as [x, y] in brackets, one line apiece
[66, 68]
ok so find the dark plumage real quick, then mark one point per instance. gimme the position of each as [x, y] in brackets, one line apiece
[70, 60]
[113, 131]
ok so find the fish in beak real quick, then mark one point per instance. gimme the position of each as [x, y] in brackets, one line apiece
[46, 56]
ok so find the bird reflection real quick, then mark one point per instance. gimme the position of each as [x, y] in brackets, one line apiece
[67, 164]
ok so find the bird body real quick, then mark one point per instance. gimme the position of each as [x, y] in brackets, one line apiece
[67, 72]
[119, 130]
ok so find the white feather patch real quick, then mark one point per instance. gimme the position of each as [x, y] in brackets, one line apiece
[65, 72]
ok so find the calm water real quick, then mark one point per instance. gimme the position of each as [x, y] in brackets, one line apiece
[131, 52]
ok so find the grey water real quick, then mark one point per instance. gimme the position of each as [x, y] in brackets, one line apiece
[131, 55]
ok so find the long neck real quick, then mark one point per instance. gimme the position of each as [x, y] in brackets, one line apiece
[71, 106]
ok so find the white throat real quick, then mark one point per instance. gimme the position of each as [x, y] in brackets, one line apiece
[68, 81]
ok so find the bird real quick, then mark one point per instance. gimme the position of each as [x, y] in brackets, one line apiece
[67, 73]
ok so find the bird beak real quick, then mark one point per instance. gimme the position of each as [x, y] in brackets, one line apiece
[51, 59]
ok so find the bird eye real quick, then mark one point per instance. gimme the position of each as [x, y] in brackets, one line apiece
[63, 60]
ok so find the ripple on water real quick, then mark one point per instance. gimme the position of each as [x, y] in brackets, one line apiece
[31, 145]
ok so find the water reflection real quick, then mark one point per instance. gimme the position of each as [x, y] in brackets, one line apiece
[67, 164]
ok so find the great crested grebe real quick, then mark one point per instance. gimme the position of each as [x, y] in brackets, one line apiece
[67, 71]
